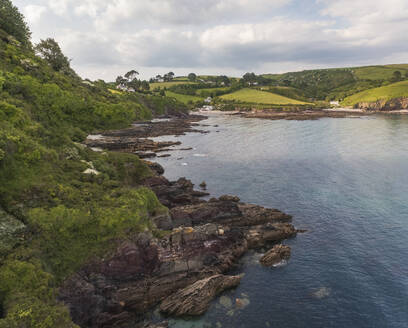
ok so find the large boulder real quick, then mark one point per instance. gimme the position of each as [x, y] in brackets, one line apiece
[196, 298]
[275, 255]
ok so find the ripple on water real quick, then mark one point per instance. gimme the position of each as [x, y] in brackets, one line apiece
[345, 180]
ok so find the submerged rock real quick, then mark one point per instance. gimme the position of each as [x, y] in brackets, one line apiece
[242, 303]
[322, 292]
[226, 302]
[275, 255]
[196, 298]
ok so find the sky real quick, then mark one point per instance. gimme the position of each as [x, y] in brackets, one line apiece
[107, 38]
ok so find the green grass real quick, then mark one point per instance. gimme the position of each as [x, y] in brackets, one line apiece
[391, 91]
[377, 72]
[162, 85]
[185, 99]
[260, 97]
[210, 91]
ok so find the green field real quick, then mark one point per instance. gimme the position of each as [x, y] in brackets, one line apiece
[162, 85]
[260, 97]
[184, 98]
[391, 91]
[207, 91]
[377, 72]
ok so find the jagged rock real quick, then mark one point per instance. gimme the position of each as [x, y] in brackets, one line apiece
[155, 167]
[228, 198]
[195, 299]
[262, 235]
[203, 185]
[276, 255]
[163, 222]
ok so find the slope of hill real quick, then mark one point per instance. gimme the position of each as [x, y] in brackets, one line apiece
[388, 92]
[260, 97]
[53, 215]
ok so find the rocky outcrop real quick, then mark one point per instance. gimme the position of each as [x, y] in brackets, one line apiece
[384, 105]
[195, 299]
[183, 269]
[275, 255]
[207, 240]
[135, 139]
[296, 115]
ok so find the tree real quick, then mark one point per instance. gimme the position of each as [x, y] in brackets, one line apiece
[249, 77]
[145, 86]
[51, 52]
[168, 77]
[224, 79]
[192, 77]
[396, 76]
[134, 84]
[121, 81]
[12, 22]
[131, 75]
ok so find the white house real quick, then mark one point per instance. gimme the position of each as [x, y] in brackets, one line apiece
[335, 103]
[208, 100]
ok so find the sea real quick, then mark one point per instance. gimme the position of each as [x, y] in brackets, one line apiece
[345, 181]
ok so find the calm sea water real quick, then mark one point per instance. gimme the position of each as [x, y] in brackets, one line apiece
[346, 182]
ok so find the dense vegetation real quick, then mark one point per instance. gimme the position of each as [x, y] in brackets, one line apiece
[60, 203]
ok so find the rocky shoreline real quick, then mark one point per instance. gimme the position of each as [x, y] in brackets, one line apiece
[183, 265]
[297, 115]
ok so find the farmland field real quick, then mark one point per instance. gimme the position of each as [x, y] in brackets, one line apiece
[260, 97]
[162, 85]
[184, 98]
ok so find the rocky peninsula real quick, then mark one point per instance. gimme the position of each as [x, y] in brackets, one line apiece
[183, 263]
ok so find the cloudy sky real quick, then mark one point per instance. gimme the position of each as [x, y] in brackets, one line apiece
[105, 38]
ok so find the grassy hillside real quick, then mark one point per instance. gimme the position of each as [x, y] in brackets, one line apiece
[185, 99]
[260, 97]
[162, 85]
[394, 90]
[54, 217]
[378, 72]
[338, 83]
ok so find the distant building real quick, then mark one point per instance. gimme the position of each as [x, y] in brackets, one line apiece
[208, 100]
[207, 108]
[335, 103]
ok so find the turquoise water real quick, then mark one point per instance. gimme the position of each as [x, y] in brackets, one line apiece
[346, 182]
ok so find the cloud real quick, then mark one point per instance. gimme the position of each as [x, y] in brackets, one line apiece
[33, 13]
[220, 35]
